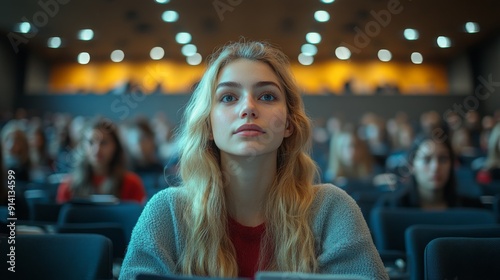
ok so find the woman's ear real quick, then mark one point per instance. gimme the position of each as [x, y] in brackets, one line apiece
[288, 129]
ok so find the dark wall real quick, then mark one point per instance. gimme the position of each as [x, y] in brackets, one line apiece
[486, 68]
[351, 108]
[8, 75]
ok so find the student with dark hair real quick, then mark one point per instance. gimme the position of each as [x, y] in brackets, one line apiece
[432, 183]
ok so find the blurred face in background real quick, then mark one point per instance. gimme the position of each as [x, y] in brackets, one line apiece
[431, 166]
[16, 149]
[350, 152]
[99, 148]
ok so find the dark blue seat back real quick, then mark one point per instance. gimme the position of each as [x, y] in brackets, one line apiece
[58, 257]
[418, 236]
[389, 224]
[462, 258]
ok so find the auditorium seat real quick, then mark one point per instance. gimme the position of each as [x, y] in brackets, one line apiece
[58, 257]
[462, 258]
[418, 236]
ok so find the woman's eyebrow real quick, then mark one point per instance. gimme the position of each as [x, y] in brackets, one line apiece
[256, 85]
[229, 84]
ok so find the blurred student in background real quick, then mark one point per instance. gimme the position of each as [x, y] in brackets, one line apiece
[16, 152]
[141, 146]
[490, 170]
[101, 168]
[432, 183]
[350, 158]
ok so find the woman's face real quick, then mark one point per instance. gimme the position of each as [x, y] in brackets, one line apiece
[249, 112]
[99, 147]
[432, 166]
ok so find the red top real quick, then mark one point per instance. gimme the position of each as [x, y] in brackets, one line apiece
[246, 241]
[131, 188]
[483, 177]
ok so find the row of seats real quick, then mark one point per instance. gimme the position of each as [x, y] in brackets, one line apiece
[402, 234]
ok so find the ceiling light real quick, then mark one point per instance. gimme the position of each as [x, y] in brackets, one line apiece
[22, 27]
[411, 34]
[194, 59]
[305, 59]
[157, 53]
[327, 1]
[321, 16]
[472, 27]
[183, 38]
[117, 56]
[309, 49]
[162, 1]
[84, 58]
[443, 42]
[86, 34]
[384, 55]
[189, 49]
[343, 53]
[54, 42]
[417, 58]
[170, 16]
[313, 37]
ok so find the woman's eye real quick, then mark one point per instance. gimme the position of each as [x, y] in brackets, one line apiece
[268, 97]
[227, 98]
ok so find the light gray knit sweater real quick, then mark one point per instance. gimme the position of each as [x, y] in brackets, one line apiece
[343, 241]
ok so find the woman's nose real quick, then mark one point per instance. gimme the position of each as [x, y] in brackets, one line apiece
[248, 108]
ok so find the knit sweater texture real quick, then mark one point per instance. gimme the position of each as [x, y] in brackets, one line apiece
[342, 238]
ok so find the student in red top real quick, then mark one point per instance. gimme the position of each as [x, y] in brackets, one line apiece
[101, 168]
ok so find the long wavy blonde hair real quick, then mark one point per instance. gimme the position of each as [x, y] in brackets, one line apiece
[288, 237]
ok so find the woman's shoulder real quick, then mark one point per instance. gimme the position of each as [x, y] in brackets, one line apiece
[329, 195]
[172, 197]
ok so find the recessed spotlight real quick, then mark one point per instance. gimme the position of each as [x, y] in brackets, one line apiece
[305, 59]
[194, 59]
[417, 58]
[321, 16]
[343, 53]
[327, 1]
[157, 53]
[84, 58]
[309, 49]
[443, 42]
[86, 34]
[170, 16]
[472, 27]
[54, 42]
[117, 56]
[188, 50]
[411, 34]
[313, 37]
[23, 27]
[183, 38]
[162, 1]
[384, 55]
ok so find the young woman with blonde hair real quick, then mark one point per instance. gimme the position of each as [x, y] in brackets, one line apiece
[247, 200]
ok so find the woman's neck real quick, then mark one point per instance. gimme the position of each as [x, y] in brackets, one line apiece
[432, 200]
[247, 181]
